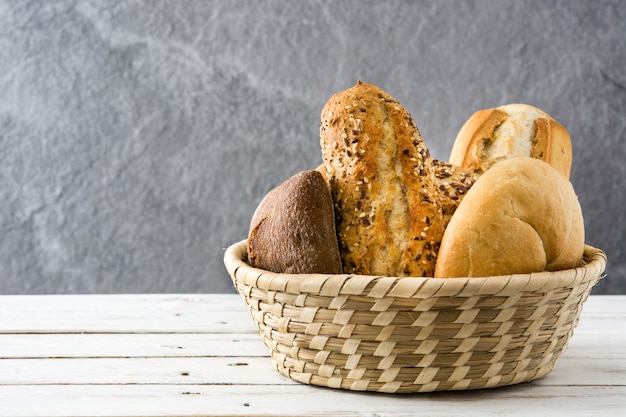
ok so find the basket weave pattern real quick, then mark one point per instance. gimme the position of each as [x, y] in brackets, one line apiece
[400, 335]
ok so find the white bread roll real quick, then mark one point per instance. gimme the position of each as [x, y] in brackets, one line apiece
[513, 130]
[521, 216]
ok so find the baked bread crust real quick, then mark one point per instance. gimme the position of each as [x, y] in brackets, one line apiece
[293, 228]
[453, 183]
[492, 135]
[521, 216]
[389, 219]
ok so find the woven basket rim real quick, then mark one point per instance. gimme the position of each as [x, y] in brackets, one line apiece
[593, 266]
[411, 334]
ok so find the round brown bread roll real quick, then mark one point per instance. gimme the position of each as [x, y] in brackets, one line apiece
[492, 135]
[521, 216]
[388, 217]
[293, 228]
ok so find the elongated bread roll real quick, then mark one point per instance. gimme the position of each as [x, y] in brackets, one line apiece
[388, 216]
[452, 183]
[521, 216]
[492, 135]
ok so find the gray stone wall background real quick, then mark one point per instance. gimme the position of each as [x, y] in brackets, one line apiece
[137, 137]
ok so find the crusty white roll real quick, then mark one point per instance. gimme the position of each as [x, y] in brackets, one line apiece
[508, 131]
[388, 217]
[521, 216]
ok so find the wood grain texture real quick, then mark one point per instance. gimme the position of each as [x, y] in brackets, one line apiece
[133, 372]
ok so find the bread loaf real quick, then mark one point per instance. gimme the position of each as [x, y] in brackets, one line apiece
[492, 135]
[521, 216]
[452, 183]
[293, 228]
[388, 216]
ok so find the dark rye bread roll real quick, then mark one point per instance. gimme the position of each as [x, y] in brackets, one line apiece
[388, 215]
[293, 228]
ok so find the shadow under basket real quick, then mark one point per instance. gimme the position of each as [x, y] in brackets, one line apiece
[404, 335]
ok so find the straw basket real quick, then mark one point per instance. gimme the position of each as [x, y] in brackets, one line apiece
[400, 335]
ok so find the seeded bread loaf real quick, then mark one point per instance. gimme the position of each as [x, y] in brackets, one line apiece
[452, 183]
[521, 216]
[389, 219]
[492, 135]
[293, 228]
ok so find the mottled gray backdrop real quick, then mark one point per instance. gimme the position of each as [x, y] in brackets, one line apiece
[137, 137]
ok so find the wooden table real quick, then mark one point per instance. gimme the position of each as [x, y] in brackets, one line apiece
[183, 355]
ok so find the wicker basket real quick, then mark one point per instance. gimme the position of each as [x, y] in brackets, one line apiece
[401, 335]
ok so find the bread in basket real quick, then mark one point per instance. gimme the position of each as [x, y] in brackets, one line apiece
[403, 335]
[377, 320]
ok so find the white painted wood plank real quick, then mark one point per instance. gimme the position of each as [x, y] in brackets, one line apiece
[605, 304]
[216, 313]
[218, 370]
[590, 371]
[123, 322]
[227, 379]
[601, 324]
[198, 303]
[94, 345]
[240, 370]
[589, 346]
[224, 313]
[291, 400]
[612, 304]
[122, 302]
[594, 338]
